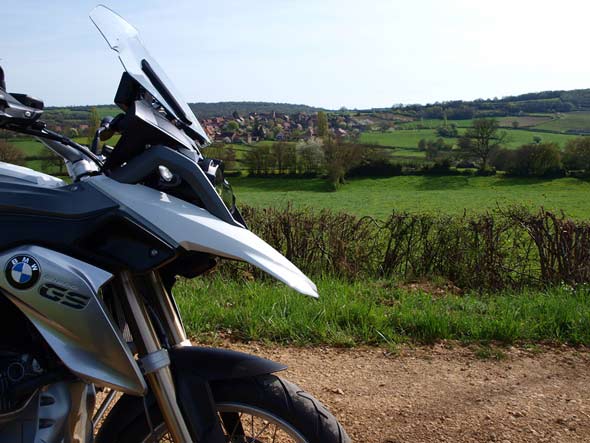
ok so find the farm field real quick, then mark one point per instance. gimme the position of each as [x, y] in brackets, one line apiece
[409, 138]
[403, 138]
[518, 137]
[447, 194]
[433, 123]
[525, 121]
[571, 121]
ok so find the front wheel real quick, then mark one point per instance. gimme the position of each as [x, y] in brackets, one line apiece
[262, 409]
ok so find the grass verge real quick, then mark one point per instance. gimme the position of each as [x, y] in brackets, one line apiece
[375, 313]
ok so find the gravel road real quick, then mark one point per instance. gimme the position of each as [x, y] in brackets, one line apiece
[446, 393]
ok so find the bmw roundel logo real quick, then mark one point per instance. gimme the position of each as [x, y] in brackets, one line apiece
[22, 271]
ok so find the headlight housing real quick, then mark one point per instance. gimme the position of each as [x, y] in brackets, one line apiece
[214, 169]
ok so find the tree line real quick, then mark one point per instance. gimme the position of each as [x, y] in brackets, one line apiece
[541, 102]
[483, 147]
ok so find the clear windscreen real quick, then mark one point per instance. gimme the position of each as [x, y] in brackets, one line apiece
[124, 39]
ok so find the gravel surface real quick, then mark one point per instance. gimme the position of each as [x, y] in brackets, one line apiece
[446, 393]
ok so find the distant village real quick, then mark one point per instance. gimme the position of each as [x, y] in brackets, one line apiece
[255, 127]
[251, 127]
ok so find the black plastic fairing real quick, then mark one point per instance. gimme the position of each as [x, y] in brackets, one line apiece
[2, 80]
[29, 101]
[14, 114]
[127, 92]
[73, 201]
[142, 166]
[144, 127]
[79, 221]
[163, 90]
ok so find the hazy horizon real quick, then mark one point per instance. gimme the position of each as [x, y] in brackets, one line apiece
[325, 54]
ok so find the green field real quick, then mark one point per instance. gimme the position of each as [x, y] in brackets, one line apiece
[433, 123]
[518, 137]
[403, 138]
[409, 138]
[449, 194]
[29, 147]
[525, 121]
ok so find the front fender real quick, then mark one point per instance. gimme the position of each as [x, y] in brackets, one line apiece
[215, 364]
[195, 229]
[193, 368]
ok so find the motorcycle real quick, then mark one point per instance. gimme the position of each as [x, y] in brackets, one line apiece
[86, 305]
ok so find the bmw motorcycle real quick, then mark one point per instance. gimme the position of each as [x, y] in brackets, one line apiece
[86, 305]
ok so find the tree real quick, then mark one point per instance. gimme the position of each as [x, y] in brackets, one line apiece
[53, 164]
[481, 140]
[10, 154]
[258, 160]
[447, 130]
[74, 133]
[224, 153]
[576, 154]
[232, 126]
[93, 125]
[310, 156]
[322, 124]
[339, 159]
[437, 150]
[535, 160]
[515, 124]
[290, 159]
[384, 125]
[280, 152]
[502, 159]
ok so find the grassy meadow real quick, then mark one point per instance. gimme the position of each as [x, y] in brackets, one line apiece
[377, 197]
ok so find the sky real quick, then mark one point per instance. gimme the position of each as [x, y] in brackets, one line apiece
[327, 53]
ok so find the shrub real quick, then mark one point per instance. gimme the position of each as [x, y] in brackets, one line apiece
[379, 167]
[447, 131]
[10, 154]
[442, 166]
[535, 160]
[500, 249]
[576, 154]
[502, 159]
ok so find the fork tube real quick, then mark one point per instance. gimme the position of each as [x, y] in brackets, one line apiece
[160, 380]
[173, 323]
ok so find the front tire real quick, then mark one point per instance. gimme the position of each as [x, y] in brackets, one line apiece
[258, 409]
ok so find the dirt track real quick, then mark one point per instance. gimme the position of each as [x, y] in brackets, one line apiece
[437, 394]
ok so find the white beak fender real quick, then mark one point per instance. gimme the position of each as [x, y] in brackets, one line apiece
[195, 229]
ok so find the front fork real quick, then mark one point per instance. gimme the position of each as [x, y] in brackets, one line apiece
[153, 355]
